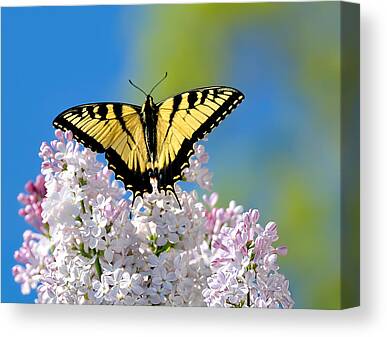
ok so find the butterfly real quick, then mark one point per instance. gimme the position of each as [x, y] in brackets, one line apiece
[154, 140]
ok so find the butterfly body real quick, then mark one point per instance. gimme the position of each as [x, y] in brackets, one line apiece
[149, 123]
[152, 140]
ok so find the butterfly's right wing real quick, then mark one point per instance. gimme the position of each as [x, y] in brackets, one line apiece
[116, 129]
[183, 120]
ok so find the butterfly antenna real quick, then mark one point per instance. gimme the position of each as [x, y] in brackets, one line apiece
[131, 207]
[177, 199]
[138, 88]
[155, 86]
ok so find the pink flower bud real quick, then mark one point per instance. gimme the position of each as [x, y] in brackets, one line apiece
[69, 135]
[29, 186]
[254, 216]
[16, 270]
[59, 135]
[46, 165]
[27, 235]
[271, 227]
[211, 200]
[22, 212]
[282, 250]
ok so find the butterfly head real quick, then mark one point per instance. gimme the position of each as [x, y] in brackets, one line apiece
[149, 104]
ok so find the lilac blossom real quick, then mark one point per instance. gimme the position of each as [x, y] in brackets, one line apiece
[33, 257]
[245, 268]
[32, 202]
[91, 251]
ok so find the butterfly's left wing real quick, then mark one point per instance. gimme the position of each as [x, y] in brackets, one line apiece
[116, 129]
[182, 121]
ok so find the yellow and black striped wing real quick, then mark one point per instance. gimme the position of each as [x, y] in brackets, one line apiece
[182, 121]
[116, 129]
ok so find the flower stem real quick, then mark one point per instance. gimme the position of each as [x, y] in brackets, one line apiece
[98, 268]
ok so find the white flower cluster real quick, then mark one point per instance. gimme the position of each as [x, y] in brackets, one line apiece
[96, 249]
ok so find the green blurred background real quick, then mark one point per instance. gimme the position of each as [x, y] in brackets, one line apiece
[278, 152]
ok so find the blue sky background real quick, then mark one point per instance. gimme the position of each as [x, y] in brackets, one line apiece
[52, 58]
[279, 151]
